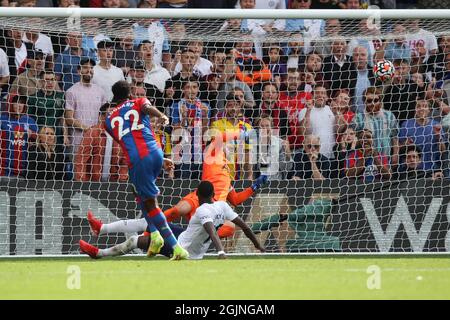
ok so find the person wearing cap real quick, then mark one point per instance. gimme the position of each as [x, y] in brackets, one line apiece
[67, 63]
[27, 83]
[83, 102]
[106, 74]
[155, 75]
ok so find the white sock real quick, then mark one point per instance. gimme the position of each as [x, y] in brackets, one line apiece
[125, 226]
[119, 249]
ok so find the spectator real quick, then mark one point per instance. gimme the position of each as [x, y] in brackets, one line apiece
[202, 66]
[230, 84]
[295, 52]
[424, 133]
[210, 89]
[381, 123]
[327, 4]
[153, 30]
[271, 106]
[293, 101]
[401, 95]
[412, 167]
[16, 52]
[168, 4]
[46, 159]
[311, 29]
[277, 67]
[83, 102]
[155, 75]
[138, 91]
[346, 145]
[124, 53]
[417, 37]
[67, 63]
[190, 119]
[250, 69]
[27, 83]
[4, 70]
[436, 63]
[240, 161]
[274, 153]
[17, 130]
[332, 30]
[47, 107]
[174, 86]
[99, 157]
[310, 163]
[267, 4]
[398, 48]
[367, 163]
[353, 4]
[364, 78]
[162, 137]
[39, 40]
[111, 4]
[342, 110]
[92, 35]
[312, 74]
[207, 4]
[321, 122]
[105, 74]
[339, 70]
[374, 45]
[259, 27]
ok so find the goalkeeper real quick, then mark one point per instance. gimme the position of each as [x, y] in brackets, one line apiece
[216, 171]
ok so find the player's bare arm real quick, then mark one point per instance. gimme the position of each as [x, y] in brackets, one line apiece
[152, 111]
[209, 227]
[248, 233]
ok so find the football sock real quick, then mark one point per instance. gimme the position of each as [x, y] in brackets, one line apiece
[120, 249]
[158, 219]
[236, 198]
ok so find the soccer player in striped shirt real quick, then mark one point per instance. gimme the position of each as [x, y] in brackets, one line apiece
[129, 124]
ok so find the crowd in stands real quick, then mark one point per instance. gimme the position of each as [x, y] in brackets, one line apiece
[312, 107]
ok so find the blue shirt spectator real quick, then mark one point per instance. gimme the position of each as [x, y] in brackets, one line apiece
[67, 63]
[424, 133]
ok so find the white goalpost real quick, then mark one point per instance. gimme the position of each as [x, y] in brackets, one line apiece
[357, 163]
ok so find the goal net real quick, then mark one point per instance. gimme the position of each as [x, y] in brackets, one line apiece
[356, 156]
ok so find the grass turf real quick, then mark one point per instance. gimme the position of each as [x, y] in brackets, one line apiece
[235, 278]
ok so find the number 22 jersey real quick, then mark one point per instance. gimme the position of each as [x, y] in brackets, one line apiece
[131, 128]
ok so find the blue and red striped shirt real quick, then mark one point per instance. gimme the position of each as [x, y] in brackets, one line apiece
[14, 136]
[131, 128]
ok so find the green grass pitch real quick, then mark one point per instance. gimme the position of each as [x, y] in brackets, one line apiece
[235, 278]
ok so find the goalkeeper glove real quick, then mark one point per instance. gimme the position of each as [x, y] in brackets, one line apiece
[260, 182]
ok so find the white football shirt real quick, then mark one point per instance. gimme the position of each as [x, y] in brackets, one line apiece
[195, 239]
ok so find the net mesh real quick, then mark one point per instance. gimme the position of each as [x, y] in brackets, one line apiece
[355, 164]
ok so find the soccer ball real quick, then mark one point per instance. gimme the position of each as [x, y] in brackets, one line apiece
[383, 70]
